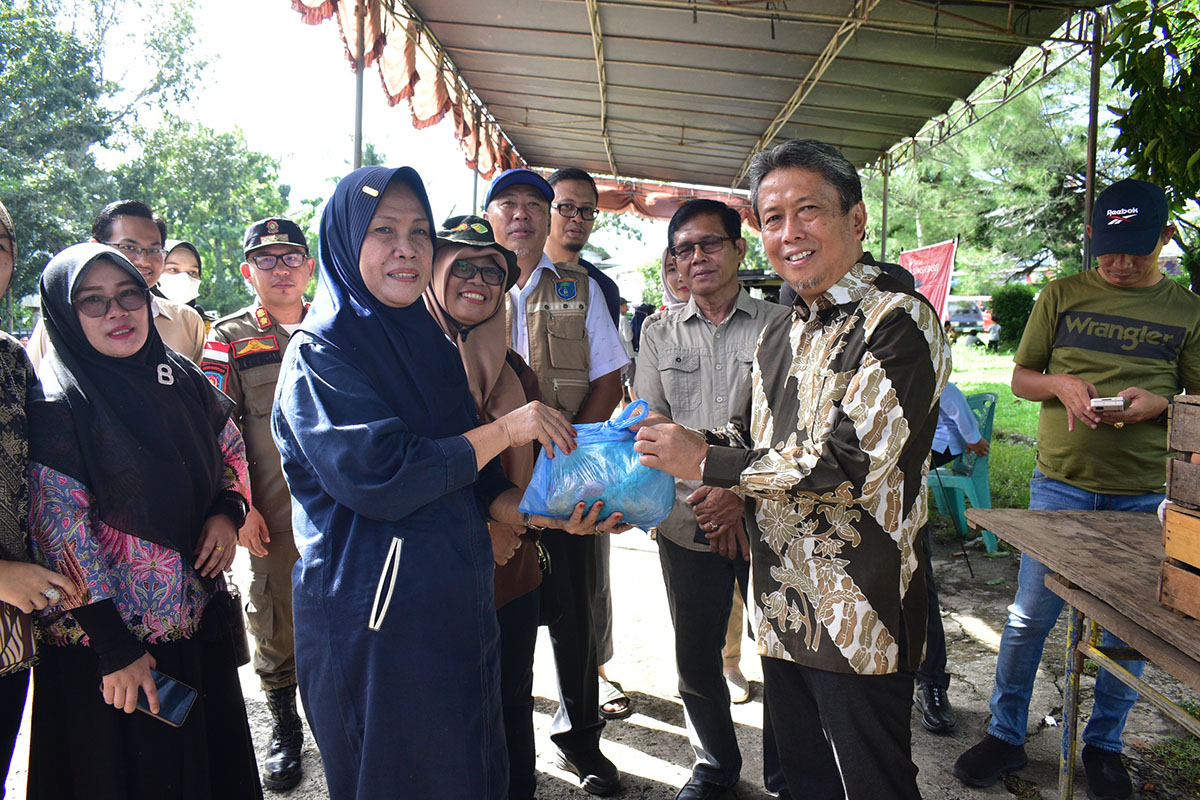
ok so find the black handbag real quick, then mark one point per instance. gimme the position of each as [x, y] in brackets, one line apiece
[237, 625]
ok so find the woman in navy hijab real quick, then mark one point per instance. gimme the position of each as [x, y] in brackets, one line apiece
[396, 635]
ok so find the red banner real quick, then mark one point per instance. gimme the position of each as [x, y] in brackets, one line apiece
[931, 266]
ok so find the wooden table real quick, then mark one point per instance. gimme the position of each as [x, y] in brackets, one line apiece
[1106, 566]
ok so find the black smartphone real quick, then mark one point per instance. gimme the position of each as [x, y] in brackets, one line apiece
[175, 699]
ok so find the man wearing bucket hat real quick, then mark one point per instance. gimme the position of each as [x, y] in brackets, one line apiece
[242, 358]
[558, 323]
[1120, 329]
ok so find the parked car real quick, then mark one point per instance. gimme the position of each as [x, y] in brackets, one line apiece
[965, 315]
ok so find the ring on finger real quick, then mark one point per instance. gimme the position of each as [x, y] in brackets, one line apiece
[52, 594]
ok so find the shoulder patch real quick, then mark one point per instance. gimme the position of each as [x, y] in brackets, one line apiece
[254, 344]
[565, 289]
[215, 351]
[217, 374]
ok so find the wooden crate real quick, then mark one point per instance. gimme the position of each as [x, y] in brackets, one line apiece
[1183, 424]
[1183, 482]
[1181, 535]
[1179, 588]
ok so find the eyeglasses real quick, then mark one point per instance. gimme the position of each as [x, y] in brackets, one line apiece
[131, 251]
[493, 276]
[569, 210]
[268, 262]
[710, 244]
[95, 305]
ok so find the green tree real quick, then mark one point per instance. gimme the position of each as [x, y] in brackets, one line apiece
[1011, 307]
[1154, 49]
[209, 186]
[1011, 188]
[652, 275]
[51, 118]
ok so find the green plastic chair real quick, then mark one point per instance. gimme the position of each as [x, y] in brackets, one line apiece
[966, 477]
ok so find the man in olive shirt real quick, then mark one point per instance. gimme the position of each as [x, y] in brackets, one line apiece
[138, 234]
[242, 359]
[692, 363]
[1121, 329]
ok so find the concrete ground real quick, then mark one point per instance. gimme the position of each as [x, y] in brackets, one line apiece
[651, 746]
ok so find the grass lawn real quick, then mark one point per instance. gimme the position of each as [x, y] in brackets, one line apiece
[1014, 432]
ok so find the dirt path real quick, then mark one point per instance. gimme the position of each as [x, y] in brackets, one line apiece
[651, 747]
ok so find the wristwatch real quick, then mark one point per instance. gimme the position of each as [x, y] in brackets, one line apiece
[1162, 418]
[527, 521]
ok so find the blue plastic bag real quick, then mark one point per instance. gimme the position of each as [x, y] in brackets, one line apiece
[602, 467]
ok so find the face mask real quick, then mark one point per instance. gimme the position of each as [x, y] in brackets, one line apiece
[179, 287]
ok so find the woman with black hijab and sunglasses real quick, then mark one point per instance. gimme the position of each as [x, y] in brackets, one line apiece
[391, 473]
[138, 486]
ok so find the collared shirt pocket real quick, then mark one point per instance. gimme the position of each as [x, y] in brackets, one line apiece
[680, 371]
[258, 389]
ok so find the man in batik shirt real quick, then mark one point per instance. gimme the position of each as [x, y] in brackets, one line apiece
[830, 446]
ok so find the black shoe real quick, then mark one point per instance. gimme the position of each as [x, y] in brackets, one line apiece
[1107, 778]
[597, 775]
[937, 715]
[282, 769]
[984, 763]
[697, 789]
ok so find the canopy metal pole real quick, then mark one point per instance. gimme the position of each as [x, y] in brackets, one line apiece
[887, 171]
[475, 184]
[360, 11]
[1089, 186]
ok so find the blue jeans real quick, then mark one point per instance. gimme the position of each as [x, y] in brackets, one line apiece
[1034, 613]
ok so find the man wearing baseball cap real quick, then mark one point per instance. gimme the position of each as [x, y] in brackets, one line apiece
[242, 358]
[1120, 329]
[559, 324]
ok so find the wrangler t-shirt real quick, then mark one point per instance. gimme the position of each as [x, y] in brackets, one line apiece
[1113, 338]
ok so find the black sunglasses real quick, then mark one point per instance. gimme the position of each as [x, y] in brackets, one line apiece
[493, 276]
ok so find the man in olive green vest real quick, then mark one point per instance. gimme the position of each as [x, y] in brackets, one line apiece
[558, 323]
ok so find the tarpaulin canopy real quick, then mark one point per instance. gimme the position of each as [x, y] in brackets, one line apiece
[686, 91]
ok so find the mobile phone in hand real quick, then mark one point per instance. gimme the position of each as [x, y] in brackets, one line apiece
[175, 699]
[1108, 403]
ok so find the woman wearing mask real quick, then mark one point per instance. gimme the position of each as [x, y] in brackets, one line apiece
[24, 585]
[138, 487]
[181, 275]
[397, 647]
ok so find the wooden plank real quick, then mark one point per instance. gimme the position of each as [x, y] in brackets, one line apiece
[1183, 482]
[1181, 666]
[1183, 424]
[1113, 555]
[1181, 535]
[1179, 589]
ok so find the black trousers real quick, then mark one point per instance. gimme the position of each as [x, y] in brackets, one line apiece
[932, 671]
[568, 593]
[700, 593]
[840, 736]
[518, 636]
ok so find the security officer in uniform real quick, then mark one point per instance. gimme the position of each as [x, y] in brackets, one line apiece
[242, 359]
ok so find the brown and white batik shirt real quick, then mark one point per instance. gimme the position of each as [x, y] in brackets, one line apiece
[830, 445]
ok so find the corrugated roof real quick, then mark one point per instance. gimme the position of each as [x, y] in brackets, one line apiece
[685, 91]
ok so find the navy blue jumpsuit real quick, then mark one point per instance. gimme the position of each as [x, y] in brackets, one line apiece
[397, 646]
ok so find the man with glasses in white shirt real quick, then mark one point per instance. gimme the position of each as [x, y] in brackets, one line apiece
[132, 228]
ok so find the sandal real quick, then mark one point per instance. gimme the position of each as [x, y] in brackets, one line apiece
[612, 696]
